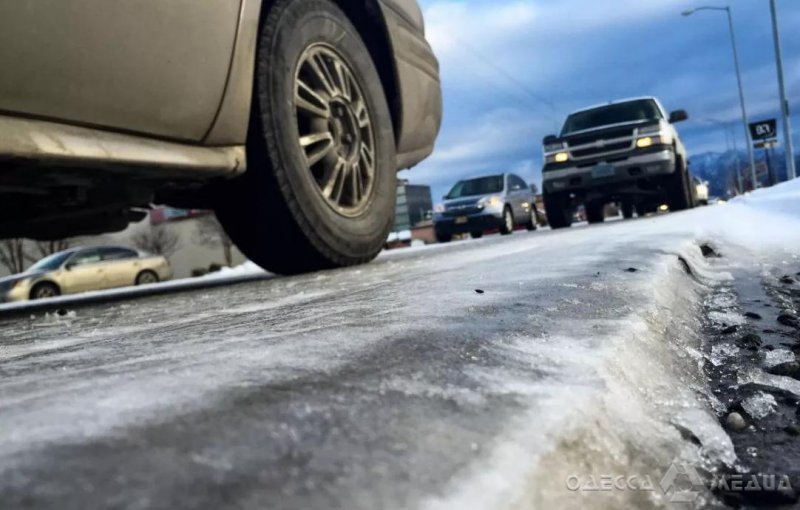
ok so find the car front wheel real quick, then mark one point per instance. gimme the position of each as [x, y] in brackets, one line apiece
[507, 224]
[320, 187]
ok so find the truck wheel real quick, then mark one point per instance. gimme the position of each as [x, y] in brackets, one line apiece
[627, 209]
[507, 225]
[558, 209]
[678, 194]
[320, 186]
[595, 212]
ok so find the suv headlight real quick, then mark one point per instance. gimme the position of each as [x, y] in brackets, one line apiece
[493, 201]
[439, 208]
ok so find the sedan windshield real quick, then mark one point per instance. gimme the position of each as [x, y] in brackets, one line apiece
[631, 111]
[475, 187]
[50, 263]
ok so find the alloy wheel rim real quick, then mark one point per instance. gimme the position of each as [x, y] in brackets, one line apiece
[335, 130]
[146, 279]
[509, 221]
[45, 292]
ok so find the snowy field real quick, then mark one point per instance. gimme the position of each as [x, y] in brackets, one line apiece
[476, 375]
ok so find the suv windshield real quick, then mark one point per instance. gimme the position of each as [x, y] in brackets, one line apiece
[631, 111]
[474, 187]
[50, 263]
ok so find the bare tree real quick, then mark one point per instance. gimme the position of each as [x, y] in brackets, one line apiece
[13, 255]
[47, 248]
[158, 240]
[210, 233]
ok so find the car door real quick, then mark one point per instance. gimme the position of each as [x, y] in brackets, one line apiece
[85, 271]
[157, 67]
[518, 195]
[121, 266]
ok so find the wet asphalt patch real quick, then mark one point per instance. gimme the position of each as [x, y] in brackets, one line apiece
[762, 417]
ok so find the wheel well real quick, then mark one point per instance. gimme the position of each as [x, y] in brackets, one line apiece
[368, 19]
[45, 282]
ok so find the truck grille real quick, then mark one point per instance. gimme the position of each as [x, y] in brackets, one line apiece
[601, 143]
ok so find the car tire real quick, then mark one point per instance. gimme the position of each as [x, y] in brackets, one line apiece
[678, 193]
[507, 223]
[44, 290]
[558, 209]
[476, 235]
[531, 225]
[595, 212]
[627, 209]
[320, 188]
[146, 277]
[443, 238]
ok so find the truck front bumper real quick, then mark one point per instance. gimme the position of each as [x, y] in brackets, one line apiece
[627, 175]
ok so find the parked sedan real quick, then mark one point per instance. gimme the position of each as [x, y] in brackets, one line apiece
[82, 270]
[495, 202]
[290, 119]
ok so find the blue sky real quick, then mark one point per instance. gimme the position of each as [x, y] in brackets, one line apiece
[513, 69]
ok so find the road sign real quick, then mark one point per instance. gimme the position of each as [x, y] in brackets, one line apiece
[764, 129]
[766, 144]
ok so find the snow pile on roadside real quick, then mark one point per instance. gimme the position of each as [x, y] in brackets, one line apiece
[243, 270]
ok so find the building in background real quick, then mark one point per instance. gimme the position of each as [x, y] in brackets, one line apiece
[414, 205]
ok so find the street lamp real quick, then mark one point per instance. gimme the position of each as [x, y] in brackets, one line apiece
[739, 81]
[787, 125]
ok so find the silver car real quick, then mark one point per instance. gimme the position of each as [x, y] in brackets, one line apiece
[475, 206]
[290, 119]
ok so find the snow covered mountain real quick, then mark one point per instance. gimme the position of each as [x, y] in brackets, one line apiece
[718, 168]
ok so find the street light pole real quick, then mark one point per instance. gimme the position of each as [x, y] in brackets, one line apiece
[787, 123]
[745, 121]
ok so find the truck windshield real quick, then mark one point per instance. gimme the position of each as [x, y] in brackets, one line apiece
[475, 187]
[631, 111]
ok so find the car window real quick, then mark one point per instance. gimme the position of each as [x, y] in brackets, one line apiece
[51, 263]
[86, 257]
[632, 111]
[118, 253]
[516, 183]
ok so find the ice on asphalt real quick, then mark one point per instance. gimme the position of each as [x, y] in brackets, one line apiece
[590, 369]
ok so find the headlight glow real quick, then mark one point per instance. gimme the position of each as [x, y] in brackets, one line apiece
[645, 142]
[493, 201]
[561, 157]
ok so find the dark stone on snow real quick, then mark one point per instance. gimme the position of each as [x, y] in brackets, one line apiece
[631, 270]
[788, 280]
[789, 320]
[730, 330]
[708, 251]
[480, 291]
[750, 341]
[753, 315]
[791, 369]
[61, 312]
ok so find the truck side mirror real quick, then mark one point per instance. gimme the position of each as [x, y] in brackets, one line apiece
[678, 116]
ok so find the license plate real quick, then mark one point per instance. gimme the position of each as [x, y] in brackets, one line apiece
[461, 220]
[603, 171]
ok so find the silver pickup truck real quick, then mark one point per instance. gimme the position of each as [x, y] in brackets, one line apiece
[626, 151]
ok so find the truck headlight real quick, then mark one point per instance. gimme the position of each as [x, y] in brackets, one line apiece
[645, 142]
[561, 157]
[439, 208]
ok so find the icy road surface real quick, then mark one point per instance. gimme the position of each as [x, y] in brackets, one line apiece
[394, 385]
